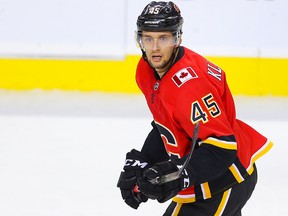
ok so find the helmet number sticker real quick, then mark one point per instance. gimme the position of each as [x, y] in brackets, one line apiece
[154, 10]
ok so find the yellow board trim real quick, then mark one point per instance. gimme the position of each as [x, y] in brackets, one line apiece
[69, 75]
[255, 76]
[248, 76]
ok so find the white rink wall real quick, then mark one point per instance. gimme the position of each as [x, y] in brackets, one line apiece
[105, 29]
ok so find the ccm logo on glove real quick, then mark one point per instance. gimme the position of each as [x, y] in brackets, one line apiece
[135, 163]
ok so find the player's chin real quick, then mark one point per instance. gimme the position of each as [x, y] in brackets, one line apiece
[156, 65]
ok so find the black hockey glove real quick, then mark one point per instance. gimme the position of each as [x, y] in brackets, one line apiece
[166, 191]
[133, 169]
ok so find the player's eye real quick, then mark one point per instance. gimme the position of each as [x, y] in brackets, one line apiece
[147, 39]
[163, 38]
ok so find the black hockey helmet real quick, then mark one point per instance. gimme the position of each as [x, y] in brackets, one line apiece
[160, 16]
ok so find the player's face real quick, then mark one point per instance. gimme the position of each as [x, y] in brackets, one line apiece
[158, 47]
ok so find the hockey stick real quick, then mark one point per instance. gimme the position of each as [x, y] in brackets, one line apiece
[175, 175]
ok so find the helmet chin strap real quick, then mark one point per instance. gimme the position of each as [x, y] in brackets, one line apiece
[144, 55]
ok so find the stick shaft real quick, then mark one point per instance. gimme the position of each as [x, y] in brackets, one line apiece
[175, 175]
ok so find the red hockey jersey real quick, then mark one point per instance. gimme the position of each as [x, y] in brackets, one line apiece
[195, 90]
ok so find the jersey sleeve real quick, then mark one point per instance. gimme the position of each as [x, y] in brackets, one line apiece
[153, 147]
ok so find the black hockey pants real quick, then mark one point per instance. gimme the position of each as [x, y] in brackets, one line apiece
[228, 203]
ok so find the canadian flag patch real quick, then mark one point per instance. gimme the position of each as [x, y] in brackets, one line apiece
[183, 76]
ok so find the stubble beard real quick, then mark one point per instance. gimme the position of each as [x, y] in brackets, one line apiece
[160, 67]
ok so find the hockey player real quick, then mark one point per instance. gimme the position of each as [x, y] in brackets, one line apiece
[183, 88]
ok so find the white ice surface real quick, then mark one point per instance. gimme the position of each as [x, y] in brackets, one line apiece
[61, 153]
